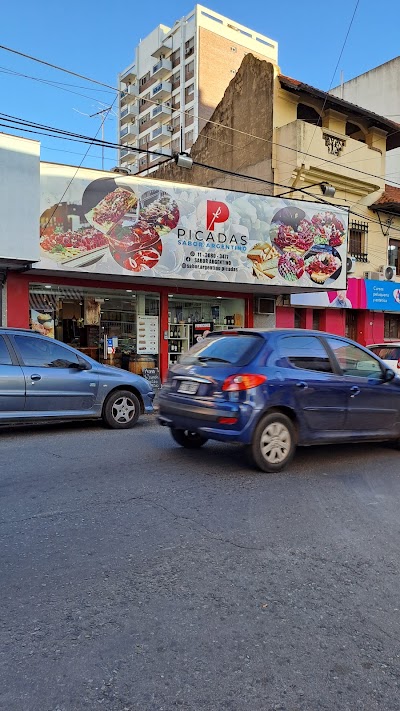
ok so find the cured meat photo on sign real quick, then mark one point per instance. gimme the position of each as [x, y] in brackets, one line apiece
[159, 210]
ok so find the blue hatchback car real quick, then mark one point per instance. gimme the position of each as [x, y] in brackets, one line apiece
[276, 389]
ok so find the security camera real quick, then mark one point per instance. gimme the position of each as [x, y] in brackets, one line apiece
[328, 190]
[183, 160]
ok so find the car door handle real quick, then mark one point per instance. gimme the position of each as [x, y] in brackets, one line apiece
[35, 377]
[355, 390]
[302, 385]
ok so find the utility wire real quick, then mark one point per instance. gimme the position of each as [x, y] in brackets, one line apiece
[55, 66]
[66, 135]
[336, 67]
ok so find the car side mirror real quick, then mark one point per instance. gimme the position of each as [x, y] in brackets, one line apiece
[389, 375]
[82, 365]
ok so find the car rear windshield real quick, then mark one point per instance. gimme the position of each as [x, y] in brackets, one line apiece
[386, 352]
[235, 350]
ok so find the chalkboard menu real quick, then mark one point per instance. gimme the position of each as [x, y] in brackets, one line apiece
[153, 376]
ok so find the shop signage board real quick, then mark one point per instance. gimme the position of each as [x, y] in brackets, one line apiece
[103, 223]
[147, 335]
[382, 295]
[153, 376]
[371, 294]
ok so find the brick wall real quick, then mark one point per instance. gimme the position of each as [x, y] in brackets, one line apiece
[247, 106]
[219, 60]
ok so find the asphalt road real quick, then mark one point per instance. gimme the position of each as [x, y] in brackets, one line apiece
[137, 576]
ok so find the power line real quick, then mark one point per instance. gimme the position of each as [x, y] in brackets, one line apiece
[7, 70]
[249, 135]
[55, 66]
[65, 135]
[335, 70]
[77, 170]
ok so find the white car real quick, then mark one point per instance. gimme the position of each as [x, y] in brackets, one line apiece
[389, 352]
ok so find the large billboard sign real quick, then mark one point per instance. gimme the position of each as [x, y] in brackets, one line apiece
[106, 223]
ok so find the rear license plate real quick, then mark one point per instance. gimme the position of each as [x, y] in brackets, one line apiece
[188, 387]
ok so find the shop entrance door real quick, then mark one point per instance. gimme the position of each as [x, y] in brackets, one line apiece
[351, 325]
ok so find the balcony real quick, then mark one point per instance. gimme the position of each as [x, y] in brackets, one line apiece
[129, 74]
[129, 112]
[128, 157]
[130, 93]
[164, 47]
[161, 112]
[162, 68]
[161, 133]
[162, 90]
[128, 132]
[316, 154]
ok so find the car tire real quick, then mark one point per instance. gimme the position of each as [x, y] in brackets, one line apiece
[274, 442]
[121, 410]
[187, 439]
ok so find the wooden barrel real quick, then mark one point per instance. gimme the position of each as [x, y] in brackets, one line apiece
[137, 363]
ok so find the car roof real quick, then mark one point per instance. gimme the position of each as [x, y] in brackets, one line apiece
[276, 331]
[388, 344]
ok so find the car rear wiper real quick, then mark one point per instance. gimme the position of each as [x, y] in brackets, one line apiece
[214, 359]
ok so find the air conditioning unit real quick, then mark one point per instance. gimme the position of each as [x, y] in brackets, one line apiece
[388, 272]
[264, 305]
[351, 265]
[188, 50]
[374, 275]
[170, 128]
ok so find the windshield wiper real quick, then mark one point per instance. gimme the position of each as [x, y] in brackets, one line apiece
[214, 359]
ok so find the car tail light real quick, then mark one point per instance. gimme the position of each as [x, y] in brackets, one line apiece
[398, 364]
[246, 381]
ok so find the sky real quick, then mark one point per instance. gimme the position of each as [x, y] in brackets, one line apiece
[97, 39]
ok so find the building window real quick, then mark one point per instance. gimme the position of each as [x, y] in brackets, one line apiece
[189, 47]
[189, 93]
[391, 326]
[144, 100]
[358, 240]
[176, 80]
[189, 117]
[144, 140]
[189, 70]
[394, 254]
[316, 319]
[144, 79]
[176, 58]
[189, 139]
[145, 119]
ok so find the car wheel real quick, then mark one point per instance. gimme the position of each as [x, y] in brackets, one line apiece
[274, 442]
[121, 410]
[190, 440]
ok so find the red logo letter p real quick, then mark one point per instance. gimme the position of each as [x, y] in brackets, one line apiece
[216, 212]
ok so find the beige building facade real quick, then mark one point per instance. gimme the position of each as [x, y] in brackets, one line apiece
[179, 75]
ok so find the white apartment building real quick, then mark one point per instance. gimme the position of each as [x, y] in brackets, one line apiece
[378, 90]
[179, 76]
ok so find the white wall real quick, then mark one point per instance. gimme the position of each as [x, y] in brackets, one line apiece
[19, 198]
[378, 90]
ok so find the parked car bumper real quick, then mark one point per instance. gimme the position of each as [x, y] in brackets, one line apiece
[148, 406]
[204, 417]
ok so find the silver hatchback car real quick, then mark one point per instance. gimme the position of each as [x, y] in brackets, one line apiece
[43, 378]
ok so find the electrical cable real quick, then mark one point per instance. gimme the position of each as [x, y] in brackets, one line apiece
[67, 135]
[335, 70]
[252, 136]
